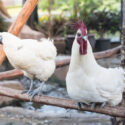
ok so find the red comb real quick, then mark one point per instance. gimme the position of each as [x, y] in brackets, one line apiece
[78, 25]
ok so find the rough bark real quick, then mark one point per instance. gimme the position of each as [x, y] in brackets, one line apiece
[61, 102]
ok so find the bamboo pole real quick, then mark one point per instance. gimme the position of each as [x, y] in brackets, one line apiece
[61, 102]
[16, 27]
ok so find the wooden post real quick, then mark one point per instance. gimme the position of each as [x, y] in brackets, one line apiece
[123, 36]
[16, 27]
[121, 121]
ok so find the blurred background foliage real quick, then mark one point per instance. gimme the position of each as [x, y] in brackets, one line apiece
[99, 15]
[56, 16]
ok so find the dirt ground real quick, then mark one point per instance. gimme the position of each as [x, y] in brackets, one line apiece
[20, 116]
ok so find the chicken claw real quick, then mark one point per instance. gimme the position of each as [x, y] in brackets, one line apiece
[81, 105]
[37, 92]
[103, 104]
[93, 105]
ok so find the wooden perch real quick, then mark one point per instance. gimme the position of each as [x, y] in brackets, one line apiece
[15, 73]
[19, 22]
[107, 53]
[10, 74]
[63, 62]
[61, 102]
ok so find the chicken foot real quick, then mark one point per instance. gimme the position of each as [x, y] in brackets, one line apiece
[37, 91]
[94, 104]
[81, 105]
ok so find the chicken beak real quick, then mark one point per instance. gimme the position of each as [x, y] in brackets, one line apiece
[85, 38]
[1, 40]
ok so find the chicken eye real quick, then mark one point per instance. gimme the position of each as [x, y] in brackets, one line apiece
[78, 34]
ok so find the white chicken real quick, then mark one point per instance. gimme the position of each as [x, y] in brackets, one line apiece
[86, 81]
[35, 59]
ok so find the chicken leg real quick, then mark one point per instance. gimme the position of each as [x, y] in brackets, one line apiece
[30, 89]
[37, 91]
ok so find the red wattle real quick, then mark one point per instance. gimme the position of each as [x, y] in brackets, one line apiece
[83, 47]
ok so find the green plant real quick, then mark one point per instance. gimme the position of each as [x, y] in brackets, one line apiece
[103, 21]
[101, 16]
[57, 25]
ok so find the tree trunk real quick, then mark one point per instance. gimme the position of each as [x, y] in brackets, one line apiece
[33, 17]
[121, 121]
[123, 36]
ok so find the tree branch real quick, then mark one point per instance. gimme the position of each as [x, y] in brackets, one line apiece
[107, 53]
[10, 74]
[61, 102]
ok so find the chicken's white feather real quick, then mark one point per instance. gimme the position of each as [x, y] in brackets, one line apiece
[89, 82]
[35, 59]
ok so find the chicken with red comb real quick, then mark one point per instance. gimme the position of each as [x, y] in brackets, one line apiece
[82, 37]
[87, 82]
